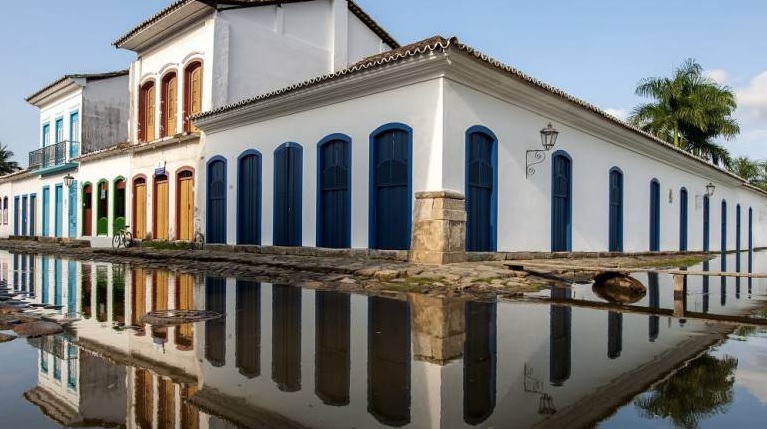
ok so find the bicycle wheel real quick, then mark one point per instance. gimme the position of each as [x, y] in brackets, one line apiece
[128, 239]
[116, 241]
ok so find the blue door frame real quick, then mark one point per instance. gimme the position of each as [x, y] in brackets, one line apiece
[616, 210]
[24, 211]
[706, 223]
[654, 215]
[288, 178]
[32, 214]
[46, 210]
[215, 224]
[249, 198]
[391, 187]
[72, 209]
[16, 204]
[334, 192]
[481, 189]
[561, 202]
[750, 240]
[723, 244]
[737, 238]
[58, 213]
[683, 219]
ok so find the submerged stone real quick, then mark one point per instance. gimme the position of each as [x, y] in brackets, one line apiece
[4, 338]
[618, 288]
[36, 329]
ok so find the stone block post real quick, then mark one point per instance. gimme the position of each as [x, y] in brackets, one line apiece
[438, 328]
[439, 228]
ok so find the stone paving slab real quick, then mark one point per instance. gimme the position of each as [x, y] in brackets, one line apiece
[350, 272]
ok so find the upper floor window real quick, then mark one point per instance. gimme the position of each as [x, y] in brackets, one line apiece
[74, 126]
[46, 134]
[146, 112]
[169, 105]
[59, 130]
[192, 93]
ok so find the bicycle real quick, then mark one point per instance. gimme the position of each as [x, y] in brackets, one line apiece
[123, 238]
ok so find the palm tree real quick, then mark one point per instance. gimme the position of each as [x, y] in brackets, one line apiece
[747, 169]
[6, 165]
[689, 110]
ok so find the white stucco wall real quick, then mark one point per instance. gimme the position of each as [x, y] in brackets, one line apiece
[416, 106]
[92, 171]
[524, 203]
[20, 186]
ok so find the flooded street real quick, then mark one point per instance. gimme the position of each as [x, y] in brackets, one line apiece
[283, 356]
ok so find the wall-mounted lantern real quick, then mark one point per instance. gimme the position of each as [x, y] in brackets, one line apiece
[537, 156]
[710, 189]
[69, 180]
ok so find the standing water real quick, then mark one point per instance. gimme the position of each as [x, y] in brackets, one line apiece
[283, 356]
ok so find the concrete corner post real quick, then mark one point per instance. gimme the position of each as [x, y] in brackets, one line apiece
[439, 228]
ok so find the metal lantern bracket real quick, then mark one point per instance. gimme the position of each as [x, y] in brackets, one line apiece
[536, 156]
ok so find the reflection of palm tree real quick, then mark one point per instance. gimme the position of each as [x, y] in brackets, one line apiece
[700, 389]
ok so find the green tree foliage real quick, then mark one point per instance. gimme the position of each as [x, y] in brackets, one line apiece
[689, 110]
[701, 389]
[6, 165]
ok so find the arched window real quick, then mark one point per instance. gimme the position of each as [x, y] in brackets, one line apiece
[5, 210]
[481, 189]
[288, 166]
[616, 210]
[561, 202]
[146, 112]
[169, 105]
[391, 187]
[654, 215]
[192, 93]
[334, 193]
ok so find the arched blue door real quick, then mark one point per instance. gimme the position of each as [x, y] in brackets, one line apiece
[249, 198]
[561, 202]
[616, 210]
[706, 222]
[481, 166]
[683, 219]
[390, 196]
[334, 197]
[215, 224]
[723, 243]
[654, 215]
[750, 240]
[287, 195]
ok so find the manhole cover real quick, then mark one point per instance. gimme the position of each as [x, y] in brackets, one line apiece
[178, 317]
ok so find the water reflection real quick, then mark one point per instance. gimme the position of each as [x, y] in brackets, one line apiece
[340, 360]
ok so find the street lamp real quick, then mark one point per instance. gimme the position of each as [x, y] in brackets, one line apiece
[537, 156]
[710, 189]
[69, 180]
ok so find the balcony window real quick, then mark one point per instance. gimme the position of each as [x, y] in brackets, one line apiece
[192, 93]
[146, 130]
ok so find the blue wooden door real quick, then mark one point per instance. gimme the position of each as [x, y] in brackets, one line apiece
[216, 208]
[24, 201]
[616, 211]
[287, 195]
[16, 221]
[706, 222]
[334, 204]
[683, 220]
[59, 210]
[44, 291]
[723, 243]
[750, 240]
[72, 211]
[32, 214]
[46, 210]
[561, 203]
[391, 190]
[480, 193]
[737, 238]
[249, 199]
[654, 215]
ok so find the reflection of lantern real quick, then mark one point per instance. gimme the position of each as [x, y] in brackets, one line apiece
[103, 193]
[546, 405]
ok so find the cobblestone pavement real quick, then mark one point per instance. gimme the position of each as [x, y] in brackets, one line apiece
[486, 279]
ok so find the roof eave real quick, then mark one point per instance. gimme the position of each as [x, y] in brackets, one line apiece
[64, 85]
[165, 22]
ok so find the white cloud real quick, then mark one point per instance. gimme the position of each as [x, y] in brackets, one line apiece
[622, 114]
[753, 98]
[718, 75]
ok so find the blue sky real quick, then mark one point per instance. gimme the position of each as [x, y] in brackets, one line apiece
[594, 49]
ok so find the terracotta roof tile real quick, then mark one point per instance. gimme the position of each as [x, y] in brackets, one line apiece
[439, 43]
